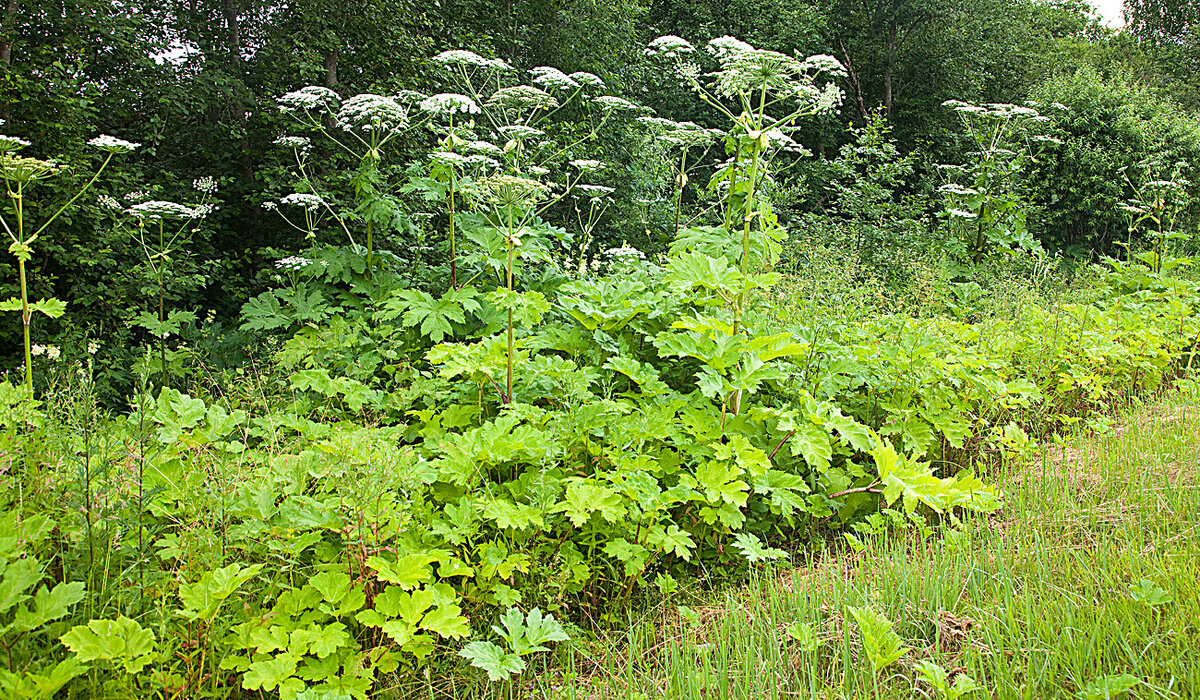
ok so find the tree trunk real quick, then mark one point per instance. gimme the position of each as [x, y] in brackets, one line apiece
[331, 66]
[7, 30]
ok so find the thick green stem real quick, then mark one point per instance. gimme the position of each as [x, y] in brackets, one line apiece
[25, 327]
[509, 385]
[162, 316]
[747, 222]
[453, 252]
[679, 190]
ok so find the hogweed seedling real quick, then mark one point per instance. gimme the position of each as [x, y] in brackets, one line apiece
[939, 678]
[20, 174]
[881, 644]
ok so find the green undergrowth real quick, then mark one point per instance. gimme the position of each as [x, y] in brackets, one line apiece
[1084, 586]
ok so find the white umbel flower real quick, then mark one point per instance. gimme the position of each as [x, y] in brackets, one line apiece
[11, 143]
[519, 132]
[588, 165]
[307, 98]
[112, 144]
[372, 113]
[157, 210]
[292, 263]
[449, 104]
[522, 97]
[299, 143]
[310, 202]
[205, 184]
[552, 78]
[616, 104]
[587, 79]
[669, 46]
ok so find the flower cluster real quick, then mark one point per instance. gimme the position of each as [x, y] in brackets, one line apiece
[449, 104]
[552, 78]
[109, 202]
[299, 143]
[309, 202]
[26, 170]
[372, 113]
[588, 165]
[522, 97]
[205, 185]
[587, 79]
[616, 104]
[669, 46]
[292, 263]
[595, 191]
[519, 132]
[93, 347]
[157, 210]
[308, 98]
[11, 143]
[509, 190]
[112, 144]
[469, 59]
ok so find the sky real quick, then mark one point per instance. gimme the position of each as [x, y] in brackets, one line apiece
[1109, 11]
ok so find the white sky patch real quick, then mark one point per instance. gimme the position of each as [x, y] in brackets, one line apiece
[1110, 12]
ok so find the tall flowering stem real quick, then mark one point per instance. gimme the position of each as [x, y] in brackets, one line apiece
[20, 174]
[763, 95]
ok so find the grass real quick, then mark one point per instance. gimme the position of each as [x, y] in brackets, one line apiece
[1091, 571]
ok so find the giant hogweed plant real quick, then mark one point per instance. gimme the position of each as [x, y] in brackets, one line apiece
[20, 175]
[984, 204]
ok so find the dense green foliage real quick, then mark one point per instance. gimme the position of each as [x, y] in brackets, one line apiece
[379, 330]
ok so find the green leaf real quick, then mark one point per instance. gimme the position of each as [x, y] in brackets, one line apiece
[53, 308]
[883, 646]
[269, 674]
[48, 604]
[121, 640]
[19, 576]
[447, 621]
[1108, 687]
[491, 658]
[527, 307]
[540, 629]
[584, 497]
[408, 572]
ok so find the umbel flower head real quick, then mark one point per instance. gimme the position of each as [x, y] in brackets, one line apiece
[310, 202]
[508, 190]
[156, 210]
[519, 132]
[11, 143]
[522, 97]
[460, 58]
[308, 98]
[26, 170]
[614, 104]
[372, 113]
[552, 78]
[449, 104]
[112, 144]
[669, 46]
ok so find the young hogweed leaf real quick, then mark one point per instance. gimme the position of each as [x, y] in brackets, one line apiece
[434, 316]
[805, 636]
[48, 604]
[491, 658]
[1148, 592]
[121, 641]
[585, 497]
[939, 678]
[754, 550]
[527, 307]
[882, 645]
[1108, 687]
[269, 674]
[408, 572]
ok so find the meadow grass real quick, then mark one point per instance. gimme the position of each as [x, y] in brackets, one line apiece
[1089, 572]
